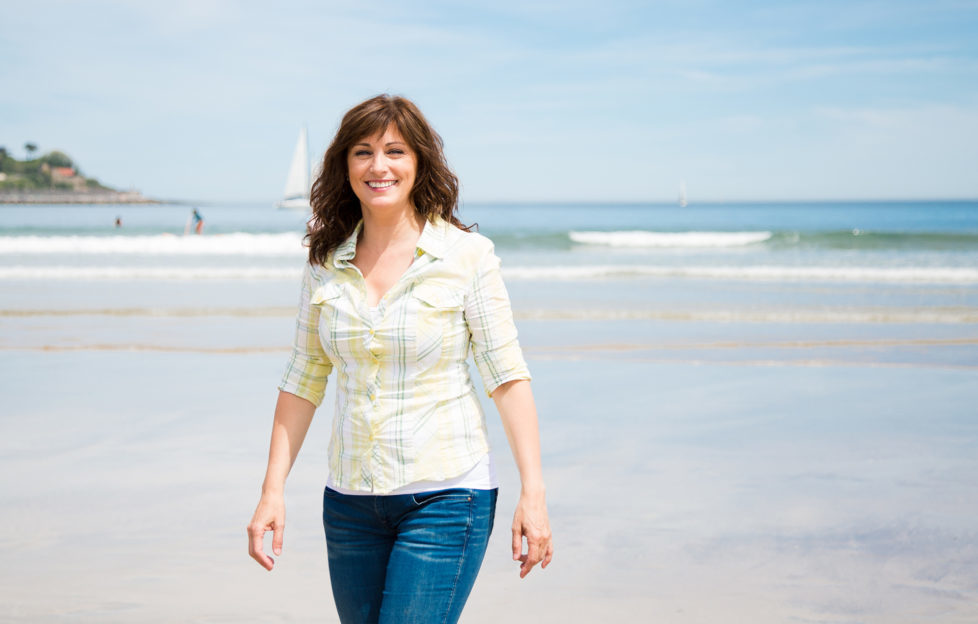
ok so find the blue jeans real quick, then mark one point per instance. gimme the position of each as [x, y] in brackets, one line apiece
[406, 558]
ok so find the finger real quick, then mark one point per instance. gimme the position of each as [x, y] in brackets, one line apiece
[535, 553]
[277, 537]
[255, 548]
[517, 543]
[523, 568]
[549, 556]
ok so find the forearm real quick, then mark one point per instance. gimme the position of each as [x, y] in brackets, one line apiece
[518, 412]
[292, 418]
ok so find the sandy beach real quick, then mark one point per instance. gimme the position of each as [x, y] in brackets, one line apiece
[698, 471]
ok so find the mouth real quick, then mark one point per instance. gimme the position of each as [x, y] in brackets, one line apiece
[381, 184]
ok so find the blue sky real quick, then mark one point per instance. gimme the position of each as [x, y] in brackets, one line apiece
[562, 101]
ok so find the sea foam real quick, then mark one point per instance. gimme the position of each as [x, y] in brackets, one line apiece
[122, 273]
[831, 274]
[234, 244]
[937, 275]
[641, 238]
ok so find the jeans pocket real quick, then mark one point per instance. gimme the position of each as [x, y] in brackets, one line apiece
[456, 494]
[493, 495]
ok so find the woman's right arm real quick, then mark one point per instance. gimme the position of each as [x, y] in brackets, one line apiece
[301, 390]
[292, 417]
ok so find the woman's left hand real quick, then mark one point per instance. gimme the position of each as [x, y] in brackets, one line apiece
[531, 521]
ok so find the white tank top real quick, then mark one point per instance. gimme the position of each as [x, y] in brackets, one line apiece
[481, 477]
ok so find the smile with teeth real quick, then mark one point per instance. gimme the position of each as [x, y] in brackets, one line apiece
[381, 183]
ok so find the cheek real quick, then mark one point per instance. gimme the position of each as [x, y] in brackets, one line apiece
[411, 173]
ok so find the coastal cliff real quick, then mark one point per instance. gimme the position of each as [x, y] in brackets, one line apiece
[54, 178]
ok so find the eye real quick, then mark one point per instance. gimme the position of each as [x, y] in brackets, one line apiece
[396, 152]
[362, 152]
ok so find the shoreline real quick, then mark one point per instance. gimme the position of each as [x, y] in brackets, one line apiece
[65, 197]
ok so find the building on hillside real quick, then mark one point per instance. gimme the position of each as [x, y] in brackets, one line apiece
[68, 175]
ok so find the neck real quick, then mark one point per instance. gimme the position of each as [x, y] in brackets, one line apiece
[381, 231]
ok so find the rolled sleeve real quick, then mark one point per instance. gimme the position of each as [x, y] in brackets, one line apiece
[308, 366]
[495, 348]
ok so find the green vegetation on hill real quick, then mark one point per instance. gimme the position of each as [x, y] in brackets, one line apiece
[52, 171]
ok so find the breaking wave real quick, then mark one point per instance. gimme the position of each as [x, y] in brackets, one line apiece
[838, 274]
[178, 273]
[936, 275]
[235, 244]
[641, 238]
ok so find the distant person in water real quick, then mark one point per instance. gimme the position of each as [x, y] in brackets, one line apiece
[198, 222]
[118, 222]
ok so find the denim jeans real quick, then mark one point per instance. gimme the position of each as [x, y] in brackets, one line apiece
[406, 558]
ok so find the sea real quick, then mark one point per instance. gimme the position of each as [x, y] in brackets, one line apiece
[750, 412]
[829, 242]
[830, 261]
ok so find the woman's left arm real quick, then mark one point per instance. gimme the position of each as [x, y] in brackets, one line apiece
[514, 400]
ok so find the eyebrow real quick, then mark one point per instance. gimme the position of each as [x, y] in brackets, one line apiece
[385, 144]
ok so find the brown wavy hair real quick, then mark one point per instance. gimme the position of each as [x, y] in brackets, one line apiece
[336, 209]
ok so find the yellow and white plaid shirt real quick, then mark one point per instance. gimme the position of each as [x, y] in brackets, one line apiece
[406, 408]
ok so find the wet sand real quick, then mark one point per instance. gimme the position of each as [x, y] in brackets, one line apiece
[699, 470]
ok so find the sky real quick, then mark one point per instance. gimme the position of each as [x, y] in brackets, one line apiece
[618, 100]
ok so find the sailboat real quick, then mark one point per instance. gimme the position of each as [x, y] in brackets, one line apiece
[296, 195]
[682, 194]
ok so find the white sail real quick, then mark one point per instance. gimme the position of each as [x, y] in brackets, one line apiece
[682, 194]
[296, 194]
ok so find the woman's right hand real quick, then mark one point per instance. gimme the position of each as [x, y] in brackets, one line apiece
[292, 417]
[269, 516]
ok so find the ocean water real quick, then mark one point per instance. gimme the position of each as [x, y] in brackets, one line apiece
[811, 261]
[895, 243]
[750, 412]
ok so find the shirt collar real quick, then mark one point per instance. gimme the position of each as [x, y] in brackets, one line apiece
[347, 250]
[432, 242]
[433, 237]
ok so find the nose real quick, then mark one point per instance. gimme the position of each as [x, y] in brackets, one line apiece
[378, 164]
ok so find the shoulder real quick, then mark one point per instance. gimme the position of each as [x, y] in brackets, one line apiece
[320, 274]
[463, 245]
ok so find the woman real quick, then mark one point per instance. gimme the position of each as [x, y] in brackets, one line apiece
[395, 295]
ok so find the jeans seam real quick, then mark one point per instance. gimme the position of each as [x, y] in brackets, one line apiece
[461, 560]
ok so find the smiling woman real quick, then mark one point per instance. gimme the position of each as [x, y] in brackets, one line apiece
[396, 295]
[382, 169]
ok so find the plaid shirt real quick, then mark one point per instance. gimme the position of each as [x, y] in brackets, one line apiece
[406, 408]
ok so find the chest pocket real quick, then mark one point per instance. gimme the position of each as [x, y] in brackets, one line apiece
[332, 317]
[439, 325]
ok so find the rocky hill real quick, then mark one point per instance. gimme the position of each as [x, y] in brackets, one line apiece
[54, 178]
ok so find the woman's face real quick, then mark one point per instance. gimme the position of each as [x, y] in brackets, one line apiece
[382, 169]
